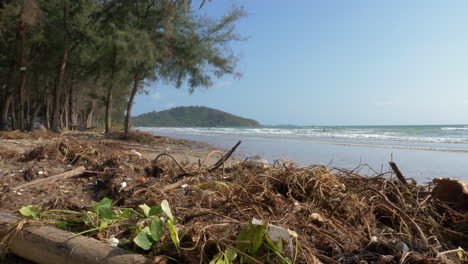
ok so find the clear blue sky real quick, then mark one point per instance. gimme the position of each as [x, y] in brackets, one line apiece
[341, 62]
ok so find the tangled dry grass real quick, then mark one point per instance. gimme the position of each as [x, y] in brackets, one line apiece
[339, 215]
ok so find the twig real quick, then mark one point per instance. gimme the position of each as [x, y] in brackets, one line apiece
[176, 184]
[207, 156]
[225, 158]
[398, 173]
[174, 159]
[450, 251]
[401, 212]
[60, 176]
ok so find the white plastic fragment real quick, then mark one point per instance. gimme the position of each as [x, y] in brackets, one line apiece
[277, 233]
[136, 153]
[40, 172]
[184, 185]
[112, 241]
[123, 184]
[374, 239]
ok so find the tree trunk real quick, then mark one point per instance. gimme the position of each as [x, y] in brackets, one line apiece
[36, 108]
[4, 120]
[5, 111]
[63, 110]
[136, 84]
[89, 116]
[12, 115]
[72, 107]
[21, 33]
[55, 126]
[47, 113]
[109, 96]
[109, 111]
[56, 122]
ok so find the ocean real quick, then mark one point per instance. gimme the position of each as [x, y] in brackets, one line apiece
[421, 152]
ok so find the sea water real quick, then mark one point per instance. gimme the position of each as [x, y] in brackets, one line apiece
[422, 152]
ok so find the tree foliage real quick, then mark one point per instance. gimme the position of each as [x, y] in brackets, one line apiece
[80, 63]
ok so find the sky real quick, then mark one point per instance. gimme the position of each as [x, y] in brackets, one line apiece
[339, 62]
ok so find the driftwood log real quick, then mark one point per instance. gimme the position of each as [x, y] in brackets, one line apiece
[51, 179]
[46, 244]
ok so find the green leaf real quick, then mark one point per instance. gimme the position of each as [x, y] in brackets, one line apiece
[254, 234]
[30, 211]
[173, 232]
[146, 209]
[103, 208]
[230, 255]
[142, 240]
[156, 229]
[127, 214]
[218, 259]
[103, 224]
[155, 210]
[166, 209]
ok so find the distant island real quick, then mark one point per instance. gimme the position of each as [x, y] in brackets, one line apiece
[192, 116]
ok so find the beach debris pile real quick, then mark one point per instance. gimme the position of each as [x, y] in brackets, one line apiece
[249, 211]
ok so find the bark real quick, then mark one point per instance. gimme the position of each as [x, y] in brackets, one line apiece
[136, 84]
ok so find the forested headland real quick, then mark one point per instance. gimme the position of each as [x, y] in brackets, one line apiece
[81, 63]
[192, 116]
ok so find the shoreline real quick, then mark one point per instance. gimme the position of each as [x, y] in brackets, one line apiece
[416, 162]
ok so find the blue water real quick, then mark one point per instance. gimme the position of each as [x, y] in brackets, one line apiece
[423, 152]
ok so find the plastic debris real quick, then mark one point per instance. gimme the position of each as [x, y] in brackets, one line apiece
[136, 153]
[112, 241]
[184, 185]
[317, 219]
[277, 233]
[142, 179]
[11, 141]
